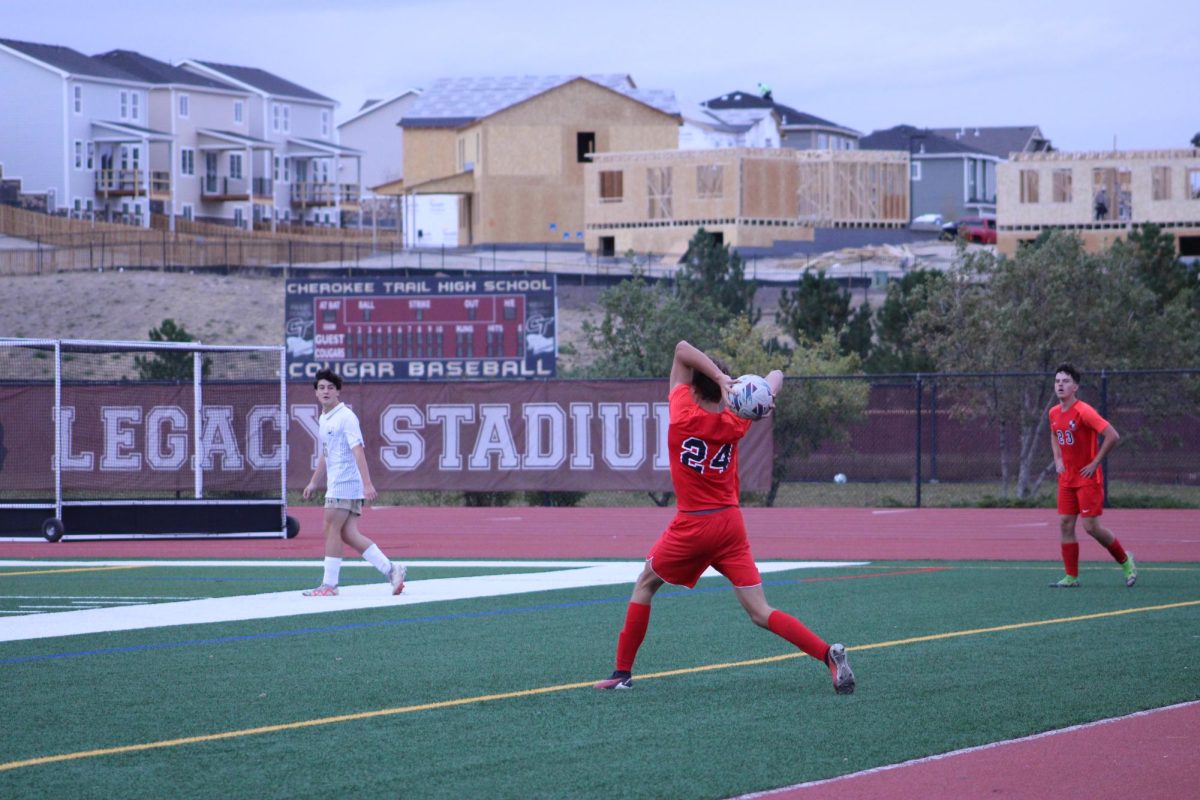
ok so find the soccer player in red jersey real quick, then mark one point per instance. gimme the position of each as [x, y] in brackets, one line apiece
[708, 529]
[1074, 426]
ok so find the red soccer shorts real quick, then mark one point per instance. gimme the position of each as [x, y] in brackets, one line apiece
[694, 542]
[1086, 500]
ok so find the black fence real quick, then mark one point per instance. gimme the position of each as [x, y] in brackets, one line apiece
[983, 439]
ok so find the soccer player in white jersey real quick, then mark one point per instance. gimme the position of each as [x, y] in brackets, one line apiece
[348, 483]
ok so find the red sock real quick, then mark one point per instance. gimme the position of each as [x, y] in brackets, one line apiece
[788, 627]
[1117, 551]
[637, 619]
[1070, 555]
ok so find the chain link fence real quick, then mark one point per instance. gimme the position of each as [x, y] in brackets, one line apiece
[974, 440]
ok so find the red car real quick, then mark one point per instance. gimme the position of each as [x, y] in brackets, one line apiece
[981, 230]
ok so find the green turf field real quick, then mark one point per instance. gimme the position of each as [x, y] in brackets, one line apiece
[491, 697]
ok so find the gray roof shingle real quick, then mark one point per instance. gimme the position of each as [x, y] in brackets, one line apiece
[915, 140]
[70, 61]
[265, 81]
[999, 141]
[154, 71]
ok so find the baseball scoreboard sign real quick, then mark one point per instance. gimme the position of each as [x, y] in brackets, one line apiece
[486, 327]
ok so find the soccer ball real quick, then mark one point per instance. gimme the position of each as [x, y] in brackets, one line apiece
[750, 397]
[839, 478]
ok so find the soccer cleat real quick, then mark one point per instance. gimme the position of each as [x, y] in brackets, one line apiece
[396, 577]
[1067, 582]
[619, 680]
[324, 590]
[1130, 570]
[839, 667]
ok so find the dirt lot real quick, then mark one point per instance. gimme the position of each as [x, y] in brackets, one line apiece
[215, 309]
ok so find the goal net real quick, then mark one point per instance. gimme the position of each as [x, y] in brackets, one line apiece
[104, 438]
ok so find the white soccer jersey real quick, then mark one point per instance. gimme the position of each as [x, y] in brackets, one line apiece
[339, 433]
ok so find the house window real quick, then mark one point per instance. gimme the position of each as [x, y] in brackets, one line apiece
[124, 105]
[1160, 180]
[324, 122]
[78, 154]
[185, 211]
[585, 145]
[287, 170]
[914, 170]
[238, 111]
[1029, 186]
[77, 91]
[710, 180]
[658, 192]
[1193, 183]
[1062, 186]
[275, 173]
[822, 141]
[276, 116]
[239, 219]
[91, 155]
[183, 105]
[187, 161]
[287, 118]
[612, 186]
[134, 103]
[235, 165]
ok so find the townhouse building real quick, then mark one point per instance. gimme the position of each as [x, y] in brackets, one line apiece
[501, 160]
[293, 145]
[76, 133]
[374, 130]
[1101, 196]
[210, 169]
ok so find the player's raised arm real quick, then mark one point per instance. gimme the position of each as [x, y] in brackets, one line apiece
[775, 381]
[689, 359]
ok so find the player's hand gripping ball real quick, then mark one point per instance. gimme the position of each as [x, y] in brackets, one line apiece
[750, 397]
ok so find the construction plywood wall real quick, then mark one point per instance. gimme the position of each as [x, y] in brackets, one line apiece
[770, 188]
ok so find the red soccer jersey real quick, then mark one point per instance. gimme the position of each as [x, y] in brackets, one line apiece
[703, 448]
[1076, 431]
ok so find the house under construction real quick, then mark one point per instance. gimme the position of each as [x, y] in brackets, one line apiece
[747, 197]
[1100, 196]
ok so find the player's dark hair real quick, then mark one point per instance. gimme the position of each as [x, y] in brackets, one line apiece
[705, 386]
[1070, 370]
[328, 375]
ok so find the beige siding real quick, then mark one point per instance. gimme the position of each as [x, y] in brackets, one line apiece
[764, 195]
[1131, 200]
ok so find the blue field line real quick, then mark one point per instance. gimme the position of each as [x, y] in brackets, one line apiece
[363, 625]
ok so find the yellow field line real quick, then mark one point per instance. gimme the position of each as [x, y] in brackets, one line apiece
[387, 712]
[70, 569]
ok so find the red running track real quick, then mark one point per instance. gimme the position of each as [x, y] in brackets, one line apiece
[627, 533]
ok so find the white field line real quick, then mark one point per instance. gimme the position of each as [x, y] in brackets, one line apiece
[351, 598]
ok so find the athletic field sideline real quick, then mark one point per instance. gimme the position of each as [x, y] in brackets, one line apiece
[476, 681]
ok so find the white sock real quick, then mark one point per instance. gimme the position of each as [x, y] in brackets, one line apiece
[378, 559]
[333, 568]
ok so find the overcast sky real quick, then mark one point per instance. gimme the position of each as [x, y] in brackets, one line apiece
[1089, 73]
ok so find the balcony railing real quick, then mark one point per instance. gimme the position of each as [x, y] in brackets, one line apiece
[224, 187]
[325, 194]
[120, 182]
[160, 183]
[264, 187]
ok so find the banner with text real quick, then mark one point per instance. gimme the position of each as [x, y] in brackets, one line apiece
[489, 327]
[464, 436]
